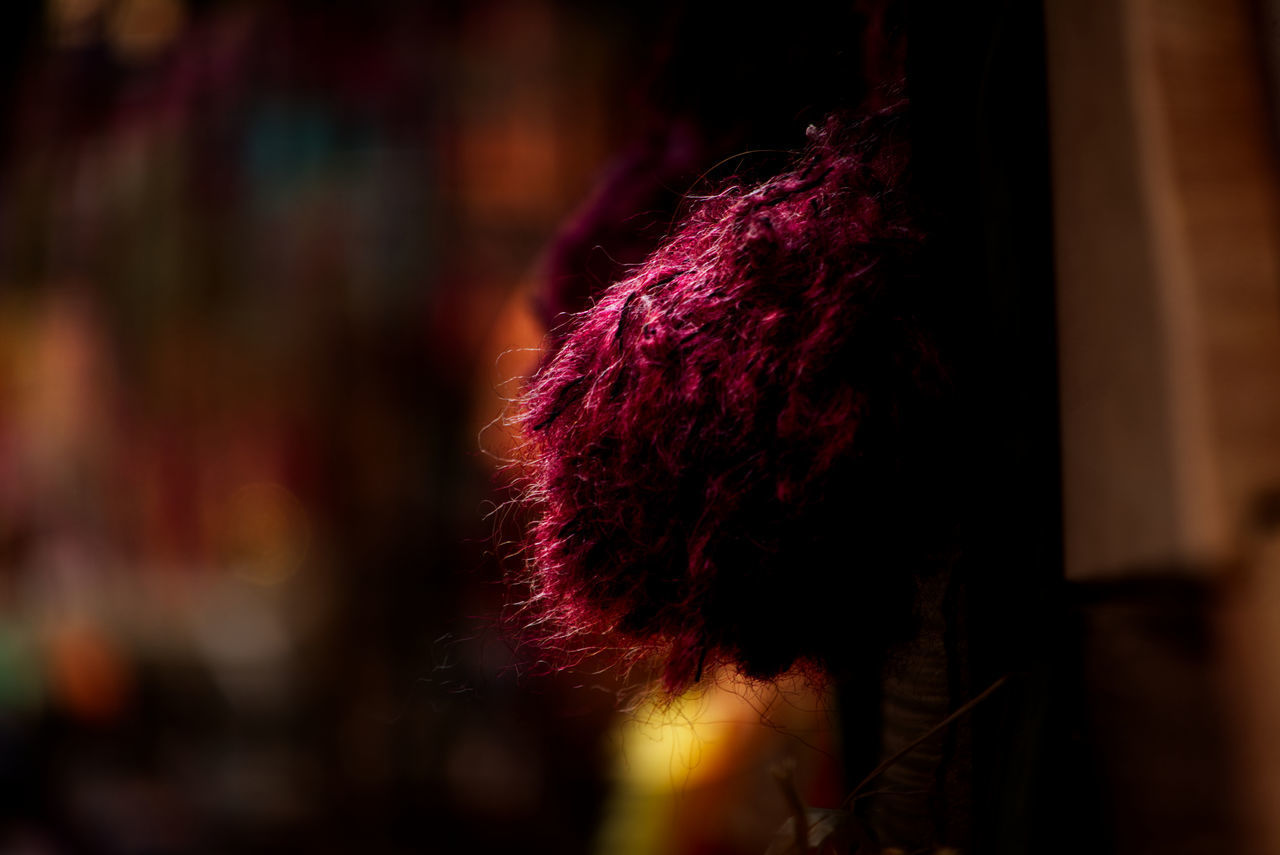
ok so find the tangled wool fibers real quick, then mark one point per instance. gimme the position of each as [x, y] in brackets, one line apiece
[736, 453]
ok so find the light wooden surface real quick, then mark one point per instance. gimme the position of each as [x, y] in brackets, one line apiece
[1169, 313]
[1165, 194]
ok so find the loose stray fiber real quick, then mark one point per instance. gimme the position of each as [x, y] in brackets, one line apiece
[737, 454]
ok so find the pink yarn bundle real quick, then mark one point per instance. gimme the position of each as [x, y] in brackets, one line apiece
[735, 454]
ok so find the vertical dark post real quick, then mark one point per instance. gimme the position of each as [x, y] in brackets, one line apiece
[977, 86]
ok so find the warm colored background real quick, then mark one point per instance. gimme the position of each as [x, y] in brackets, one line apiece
[257, 261]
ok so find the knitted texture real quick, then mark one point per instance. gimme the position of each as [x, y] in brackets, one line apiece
[735, 454]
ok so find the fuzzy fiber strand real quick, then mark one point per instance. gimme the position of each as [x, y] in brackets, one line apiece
[735, 454]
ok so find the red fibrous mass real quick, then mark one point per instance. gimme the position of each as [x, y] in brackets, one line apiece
[734, 454]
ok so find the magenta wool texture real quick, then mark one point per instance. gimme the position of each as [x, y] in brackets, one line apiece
[734, 455]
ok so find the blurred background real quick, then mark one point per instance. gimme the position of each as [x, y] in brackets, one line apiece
[268, 269]
[258, 263]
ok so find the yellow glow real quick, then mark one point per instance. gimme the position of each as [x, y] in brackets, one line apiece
[677, 763]
[687, 743]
